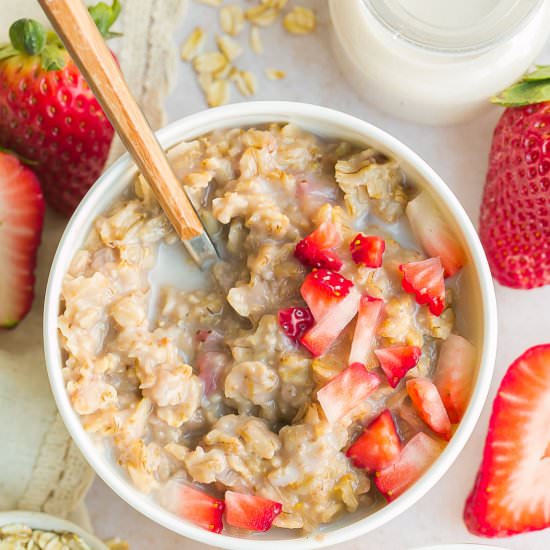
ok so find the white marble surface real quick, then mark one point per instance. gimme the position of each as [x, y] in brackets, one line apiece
[459, 154]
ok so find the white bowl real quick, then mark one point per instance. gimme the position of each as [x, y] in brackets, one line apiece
[478, 315]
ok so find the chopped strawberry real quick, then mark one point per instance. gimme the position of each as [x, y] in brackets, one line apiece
[346, 390]
[415, 458]
[378, 447]
[202, 509]
[396, 361]
[367, 250]
[250, 512]
[295, 321]
[367, 319]
[322, 334]
[511, 494]
[322, 289]
[434, 234]
[315, 250]
[424, 279]
[454, 375]
[429, 405]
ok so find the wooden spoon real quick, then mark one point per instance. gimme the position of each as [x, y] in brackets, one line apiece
[77, 30]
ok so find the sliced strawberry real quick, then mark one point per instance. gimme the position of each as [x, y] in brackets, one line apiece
[454, 375]
[202, 509]
[346, 390]
[415, 458]
[378, 447]
[434, 234]
[295, 321]
[365, 328]
[367, 250]
[511, 494]
[315, 250]
[322, 289]
[396, 361]
[21, 219]
[250, 512]
[429, 405]
[425, 280]
[322, 335]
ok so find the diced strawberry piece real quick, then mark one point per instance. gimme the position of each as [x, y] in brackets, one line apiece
[322, 334]
[346, 390]
[295, 321]
[434, 234]
[322, 289]
[425, 280]
[415, 458]
[315, 250]
[202, 509]
[250, 512]
[511, 494]
[429, 405]
[454, 375]
[378, 447]
[367, 250]
[396, 361]
[365, 328]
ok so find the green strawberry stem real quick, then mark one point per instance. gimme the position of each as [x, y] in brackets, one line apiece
[534, 87]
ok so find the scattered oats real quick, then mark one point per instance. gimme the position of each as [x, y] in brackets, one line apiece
[246, 83]
[205, 81]
[210, 62]
[262, 14]
[117, 544]
[279, 4]
[193, 44]
[218, 93]
[255, 40]
[232, 19]
[213, 3]
[229, 47]
[299, 21]
[223, 73]
[275, 74]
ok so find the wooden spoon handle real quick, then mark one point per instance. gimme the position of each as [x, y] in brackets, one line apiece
[84, 42]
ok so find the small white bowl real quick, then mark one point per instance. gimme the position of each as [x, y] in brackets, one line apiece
[477, 317]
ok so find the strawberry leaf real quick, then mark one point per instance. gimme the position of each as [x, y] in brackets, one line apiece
[542, 72]
[104, 17]
[524, 93]
[53, 57]
[27, 36]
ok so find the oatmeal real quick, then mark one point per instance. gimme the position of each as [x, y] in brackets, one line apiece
[301, 382]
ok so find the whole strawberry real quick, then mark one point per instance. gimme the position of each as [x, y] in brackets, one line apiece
[515, 210]
[49, 115]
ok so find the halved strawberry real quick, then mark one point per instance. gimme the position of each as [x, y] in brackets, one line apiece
[21, 219]
[415, 458]
[424, 279]
[250, 512]
[434, 234]
[454, 375]
[200, 508]
[378, 447]
[429, 405]
[511, 493]
[396, 361]
[322, 335]
[295, 321]
[346, 390]
[367, 250]
[365, 328]
[315, 250]
[322, 289]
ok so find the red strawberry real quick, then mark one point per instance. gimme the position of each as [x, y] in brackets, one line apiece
[511, 493]
[200, 508]
[396, 361]
[454, 375]
[250, 512]
[21, 217]
[322, 335]
[322, 289]
[434, 234]
[415, 458]
[365, 328]
[316, 249]
[367, 250]
[346, 390]
[49, 115]
[424, 279]
[295, 321]
[514, 223]
[378, 447]
[428, 403]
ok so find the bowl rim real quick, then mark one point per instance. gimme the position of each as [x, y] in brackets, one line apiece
[242, 114]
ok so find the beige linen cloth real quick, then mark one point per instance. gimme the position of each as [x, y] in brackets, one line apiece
[40, 467]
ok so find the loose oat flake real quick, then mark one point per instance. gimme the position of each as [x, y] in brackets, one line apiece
[213, 3]
[262, 15]
[21, 537]
[275, 74]
[193, 44]
[299, 21]
[246, 83]
[232, 19]
[229, 47]
[210, 62]
[255, 40]
[218, 93]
